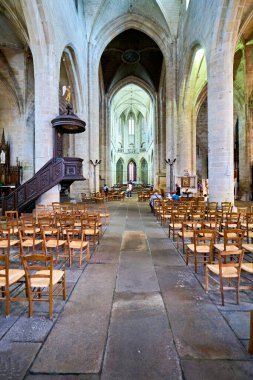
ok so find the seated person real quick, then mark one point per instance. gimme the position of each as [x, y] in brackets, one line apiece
[154, 196]
[175, 197]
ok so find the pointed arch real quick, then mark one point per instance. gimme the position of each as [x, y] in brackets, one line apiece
[119, 170]
[144, 171]
[131, 170]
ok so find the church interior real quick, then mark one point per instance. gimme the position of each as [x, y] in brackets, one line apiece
[96, 95]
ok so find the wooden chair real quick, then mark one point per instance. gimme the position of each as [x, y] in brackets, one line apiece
[46, 222]
[28, 240]
[230, 220]
[166, 214]
[28, 222]
[11, 280]
[187, 232]
[243, 212]
[13, 225]
[40, 274]
[12, 214]
[90, 230]
[211, 206]
[40, 210]
[104, 214]
[52, 243]
[77, 244]
[95, 217]
[202, 247]
[228, 267]
[232, 240]
[248, 268]
[176, 223]
[247, 225]
[5, 241]
[212, 224]
[66, 222]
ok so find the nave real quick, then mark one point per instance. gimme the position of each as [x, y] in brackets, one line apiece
[134, 312]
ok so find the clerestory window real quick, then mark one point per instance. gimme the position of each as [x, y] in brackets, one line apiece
[131, 126]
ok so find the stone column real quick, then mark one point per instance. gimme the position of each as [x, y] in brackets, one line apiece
[245, 128]
[93, 116]
[46, 108]
[220, 127]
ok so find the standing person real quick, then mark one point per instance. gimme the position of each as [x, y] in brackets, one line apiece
[106, 189]
[129, 189]
[178, 190]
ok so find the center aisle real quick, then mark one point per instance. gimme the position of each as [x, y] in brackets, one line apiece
[140, 343]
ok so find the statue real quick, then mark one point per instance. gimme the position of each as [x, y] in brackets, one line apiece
[2, 157]
[66, 92]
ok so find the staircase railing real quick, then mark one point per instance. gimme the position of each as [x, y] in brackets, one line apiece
[56, 170]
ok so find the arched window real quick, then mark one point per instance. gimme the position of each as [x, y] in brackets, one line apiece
[131, 125]
[131, 171]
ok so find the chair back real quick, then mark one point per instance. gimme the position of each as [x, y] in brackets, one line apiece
[232, 220]
[233, 237]
[11, 214]
[27, 234]
[226, 207]
[230, 259]
[75, 234]
[28, 221]
[212, 206]
[37, 262]
[204, 238]
[4, 270]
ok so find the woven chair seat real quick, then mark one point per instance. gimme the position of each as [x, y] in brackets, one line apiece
[187, 234]
[247, 267]
[4, 243]
[199, 248]
[91, 231]
[43, 282]
[220, 247]
[226, 272]
[78, 244]
[176, 225]
[248, 247]
[54, 243]
[14, 276]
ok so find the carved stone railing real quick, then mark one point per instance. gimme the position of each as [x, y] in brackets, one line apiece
[55, 171]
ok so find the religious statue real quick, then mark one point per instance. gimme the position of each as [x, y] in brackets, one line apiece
[2, 157]
[66, 92]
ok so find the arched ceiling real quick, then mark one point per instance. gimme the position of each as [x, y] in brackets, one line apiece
[131, 53]
[131, 98]
[165, 12]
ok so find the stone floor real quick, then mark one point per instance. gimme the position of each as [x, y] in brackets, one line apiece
[134, 312]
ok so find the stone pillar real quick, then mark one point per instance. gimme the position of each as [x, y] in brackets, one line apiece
[220, 127]
[46, 108]
[93, 117]
[245, 128]
[171, 119]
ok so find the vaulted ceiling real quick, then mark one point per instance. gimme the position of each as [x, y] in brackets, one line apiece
[131, 53]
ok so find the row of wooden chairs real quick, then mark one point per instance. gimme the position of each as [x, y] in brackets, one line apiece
[43, 240]
[207, 232]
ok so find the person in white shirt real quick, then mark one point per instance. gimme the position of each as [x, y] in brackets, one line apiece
[129, 190]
